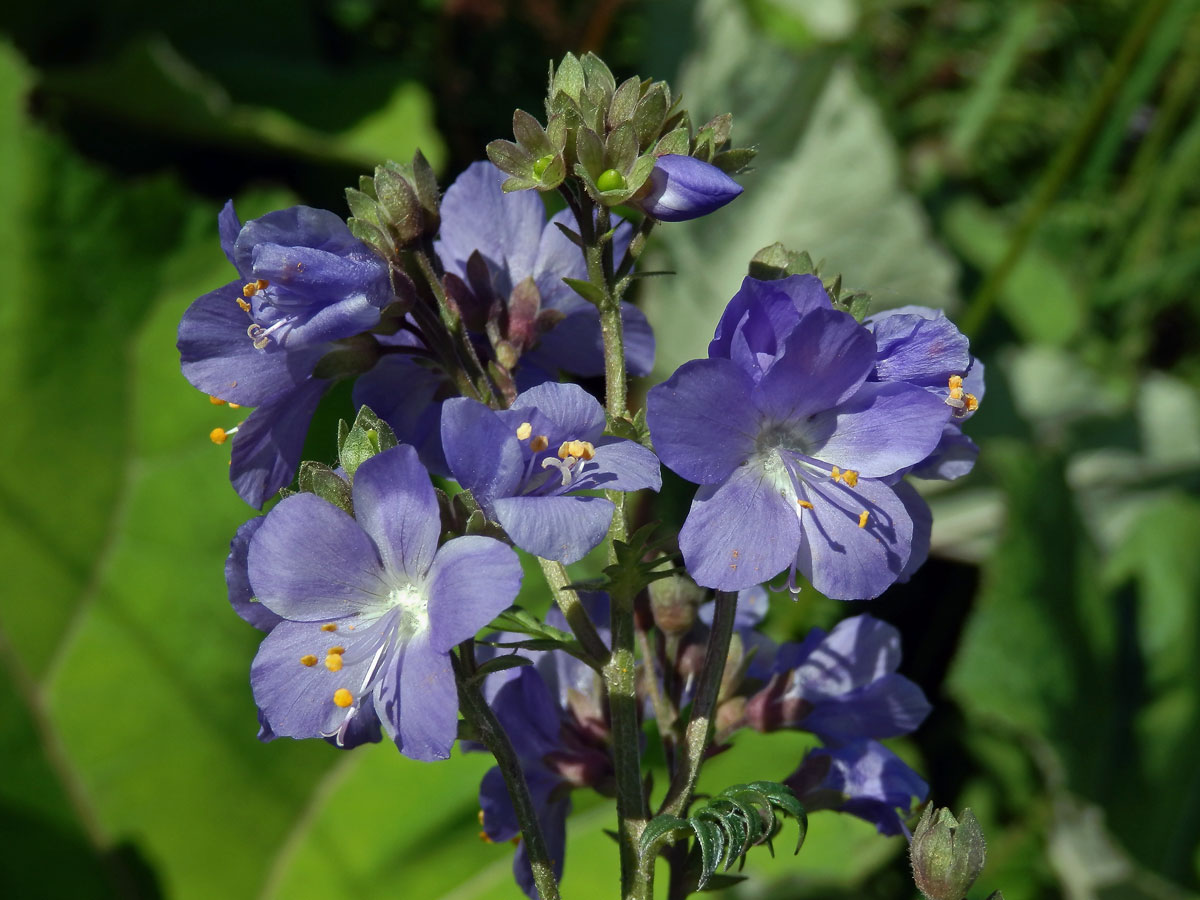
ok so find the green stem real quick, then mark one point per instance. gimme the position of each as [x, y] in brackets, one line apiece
[620, 678]
[480, 717]
[1061, 167]
[704, 706]
[573, 610]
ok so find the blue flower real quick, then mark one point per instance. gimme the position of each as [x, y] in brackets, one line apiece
[371, 608]
[864, 779]
[796, 451]
[683, 187]
[304, 282]
[527, 466]
[842, 686]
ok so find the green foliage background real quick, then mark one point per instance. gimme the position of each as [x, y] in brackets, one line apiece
[1031, 167]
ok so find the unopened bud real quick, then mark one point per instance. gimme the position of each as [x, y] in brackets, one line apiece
[683, 187]
[947, 853]
[673, 603]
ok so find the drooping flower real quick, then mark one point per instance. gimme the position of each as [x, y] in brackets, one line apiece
[371, 608]
[683, 187]
[527, 466]
[304, 283]
[864, 779]
[841, 686]
[796, 451]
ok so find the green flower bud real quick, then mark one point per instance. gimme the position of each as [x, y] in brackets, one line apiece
[947, 854]
[673, 603]
[610, 180]
[540, 165]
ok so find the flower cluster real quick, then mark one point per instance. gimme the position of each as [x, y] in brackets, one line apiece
[457, 317]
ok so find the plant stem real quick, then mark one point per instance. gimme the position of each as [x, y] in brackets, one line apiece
[573, 611]
[480, 716]
[700, 727]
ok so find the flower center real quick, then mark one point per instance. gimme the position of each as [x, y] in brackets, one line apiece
[961, 401]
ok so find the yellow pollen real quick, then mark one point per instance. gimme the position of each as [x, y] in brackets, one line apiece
[577, 449]
[972, 402]
[235, 406]
[588, 450]
[243, 304]
[343, 697]
[215, 401]
[804, 504]
[329, 626]
[524, 430]
[218, 435]
[539, 443]
[333, 662]
[308, 660]
[564, 450]
[253, 287]
[836, 474]
[338, 650]
[481, 817]
[956, 393]
[955, 382]
[483, 837]
[862, 518]
[851, 477]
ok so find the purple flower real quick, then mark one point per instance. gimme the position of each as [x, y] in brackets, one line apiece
[683, 187]
[841, 686]
[528, 465]
[864, 779]
[303, 283]
[796, 452]
[511, 234]
[371, 608]
[918, 345]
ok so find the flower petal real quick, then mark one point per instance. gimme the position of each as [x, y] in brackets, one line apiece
[220, 359]
[843, 561]
[953, 457]
[473, 580]
[268, 445]
[824, 360]
[739, 533]
[481, 450]
[918, 345]
[883, 428]
[572, 412]
[402, 393]
[702, 421]
[228, 226]
[561, 528]
[779, 304]
[623, 466]
[304, 579]
[296, 226]
[855, 653]
[887, 707]
[417, 701]
[294, 688]
[922, 518]
[394, 503]
[237, 579]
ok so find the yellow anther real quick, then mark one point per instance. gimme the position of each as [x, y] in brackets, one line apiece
[524, 430]
[862, 518]
[329, 626]
[333, 662]
[308, 660]
[215, 401]
[481, 817]
[243, 304]
[343, 697]
[955, 382]
[588, 451]
[338, 650]
[218, 435]
[836, 474]
[956, 393]
[850, 477]
[564, 450]
[972, 402]
[539, 443]
[804, 504]
[253, 287]
[577, 449]
[235, 406]
[483, 837]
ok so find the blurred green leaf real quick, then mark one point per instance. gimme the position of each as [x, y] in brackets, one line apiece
[827, 182]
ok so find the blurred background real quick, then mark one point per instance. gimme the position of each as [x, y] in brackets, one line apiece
[1033, 168]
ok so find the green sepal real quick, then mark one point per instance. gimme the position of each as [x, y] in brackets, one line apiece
[675, 142]
[367, 437]
[650, 113]
[634, 429]
[632, 570]
[777, 261]
[624, 102]
[735, 161]
[318, 478]
[569, 79]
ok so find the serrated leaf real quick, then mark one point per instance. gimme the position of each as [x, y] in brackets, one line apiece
[709, 840]
[661, 830]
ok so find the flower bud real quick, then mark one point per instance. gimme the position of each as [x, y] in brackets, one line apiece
[947, 854]
[683, 187]
[673, 603]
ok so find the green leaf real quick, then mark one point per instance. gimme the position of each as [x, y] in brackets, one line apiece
[710, 841]
[585, 289]
[499, 664]
[317, 478]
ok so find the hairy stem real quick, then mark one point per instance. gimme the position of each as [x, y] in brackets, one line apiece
[481, 718]
[572, 609]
